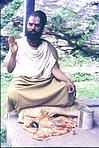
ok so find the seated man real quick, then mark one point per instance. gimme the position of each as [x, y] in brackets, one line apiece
[38, 80]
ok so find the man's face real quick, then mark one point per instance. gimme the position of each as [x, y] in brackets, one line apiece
[34, 29]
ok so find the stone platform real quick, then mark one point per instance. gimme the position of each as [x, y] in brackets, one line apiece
[18, 137]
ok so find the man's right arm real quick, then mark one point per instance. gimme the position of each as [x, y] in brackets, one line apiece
[10, 61]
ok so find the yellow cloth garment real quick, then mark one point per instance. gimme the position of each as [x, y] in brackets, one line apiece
[29, 92]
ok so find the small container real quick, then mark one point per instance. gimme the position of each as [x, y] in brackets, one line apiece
[85, 118]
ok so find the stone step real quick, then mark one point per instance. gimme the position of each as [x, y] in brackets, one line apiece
[91, 102]
[21, 138]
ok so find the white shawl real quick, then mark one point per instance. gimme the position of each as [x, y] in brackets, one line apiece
[33, 62]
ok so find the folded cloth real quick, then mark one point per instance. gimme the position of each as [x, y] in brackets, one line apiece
[37, 111]
[44, 121]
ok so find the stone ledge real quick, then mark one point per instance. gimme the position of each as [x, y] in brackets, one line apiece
[91, 102]
[18, 137]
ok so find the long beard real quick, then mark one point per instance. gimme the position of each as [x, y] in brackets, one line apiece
[34, 38]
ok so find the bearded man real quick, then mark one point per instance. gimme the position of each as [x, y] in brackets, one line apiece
[37, 77]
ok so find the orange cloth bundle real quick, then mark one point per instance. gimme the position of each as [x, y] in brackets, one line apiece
[44, 126]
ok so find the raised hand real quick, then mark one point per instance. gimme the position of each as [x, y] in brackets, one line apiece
[12, 44]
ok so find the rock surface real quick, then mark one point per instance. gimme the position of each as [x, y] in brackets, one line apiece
[86, 9]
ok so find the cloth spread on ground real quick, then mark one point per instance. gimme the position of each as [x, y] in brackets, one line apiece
[41, 121]
[44, 126]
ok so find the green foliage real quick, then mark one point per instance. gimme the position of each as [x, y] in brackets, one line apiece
[88, 89]
[5, 82]
[66, 13]
[55, 23]
[70, 24]
[3, 135]
[13, 32]
[62, 18]
[76, 59]
[78, 77]
[8, 11]
[97, 16]
[87, 33]
[58, 22]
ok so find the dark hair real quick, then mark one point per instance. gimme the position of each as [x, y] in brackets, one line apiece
[41, 15]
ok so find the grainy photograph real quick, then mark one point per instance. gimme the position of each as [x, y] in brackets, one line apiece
[49, 73]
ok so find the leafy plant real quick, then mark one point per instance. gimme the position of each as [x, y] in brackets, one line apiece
[75, 28]
[60, 19]
[5, 81]
[87, 33]
[87, 89]
[13, 32]
[76, 58]
[78, 77]
[3, 135]
[8, 11]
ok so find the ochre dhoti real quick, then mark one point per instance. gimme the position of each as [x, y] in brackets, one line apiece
[29, 92]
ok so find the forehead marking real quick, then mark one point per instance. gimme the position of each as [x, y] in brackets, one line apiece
[34, 19]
